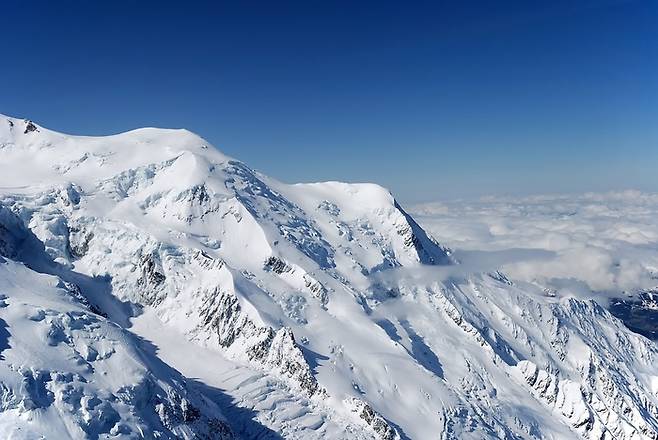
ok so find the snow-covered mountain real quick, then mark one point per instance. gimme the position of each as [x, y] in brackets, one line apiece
[156, 288]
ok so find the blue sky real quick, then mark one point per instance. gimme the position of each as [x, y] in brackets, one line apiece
[434, 100]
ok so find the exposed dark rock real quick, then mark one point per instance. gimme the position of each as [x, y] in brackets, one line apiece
[79, 239]
[76, 293]
[316, 288]
[329, 207]
[378, 424]
[221, 312]
[500, 276]
[276, 265]
[429, 251]
[174, 410]
[208, 262]
[12, 233]
[69, 195]
[29, 126]
[151, 279]
[199, 193]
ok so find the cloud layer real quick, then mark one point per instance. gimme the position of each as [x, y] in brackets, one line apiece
[600, 242]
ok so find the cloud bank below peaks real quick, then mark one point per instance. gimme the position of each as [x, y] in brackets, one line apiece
[593, 243]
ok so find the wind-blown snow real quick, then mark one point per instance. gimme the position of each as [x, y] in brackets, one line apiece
[296, 311]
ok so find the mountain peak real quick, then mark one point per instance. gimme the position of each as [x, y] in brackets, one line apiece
[154, 169]
[57, 157]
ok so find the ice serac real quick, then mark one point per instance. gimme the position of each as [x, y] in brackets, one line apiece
[66, 371]
[332, 312]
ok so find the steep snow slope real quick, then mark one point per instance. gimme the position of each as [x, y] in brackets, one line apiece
[67, 372]
[323, 310]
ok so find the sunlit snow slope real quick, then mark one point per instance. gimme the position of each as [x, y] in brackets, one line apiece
[316, 310]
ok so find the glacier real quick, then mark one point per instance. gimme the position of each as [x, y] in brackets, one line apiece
[153, 287]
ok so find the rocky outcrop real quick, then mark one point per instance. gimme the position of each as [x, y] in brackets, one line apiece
[79, 370]
[277, 265]
[429, 250]
[151, 279]
[30, 127]
[595, 408]
[12, 233]
[372, 419]
[79, 239]
[273, 349]
[316, 288]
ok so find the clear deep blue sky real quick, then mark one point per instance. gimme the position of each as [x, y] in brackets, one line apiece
[433, 100]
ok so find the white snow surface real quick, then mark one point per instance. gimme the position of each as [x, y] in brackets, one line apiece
[275, 311]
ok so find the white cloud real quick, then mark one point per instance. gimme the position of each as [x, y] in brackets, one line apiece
[607, 240]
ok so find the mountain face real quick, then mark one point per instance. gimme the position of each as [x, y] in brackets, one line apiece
[153, 287]
[639, 312]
